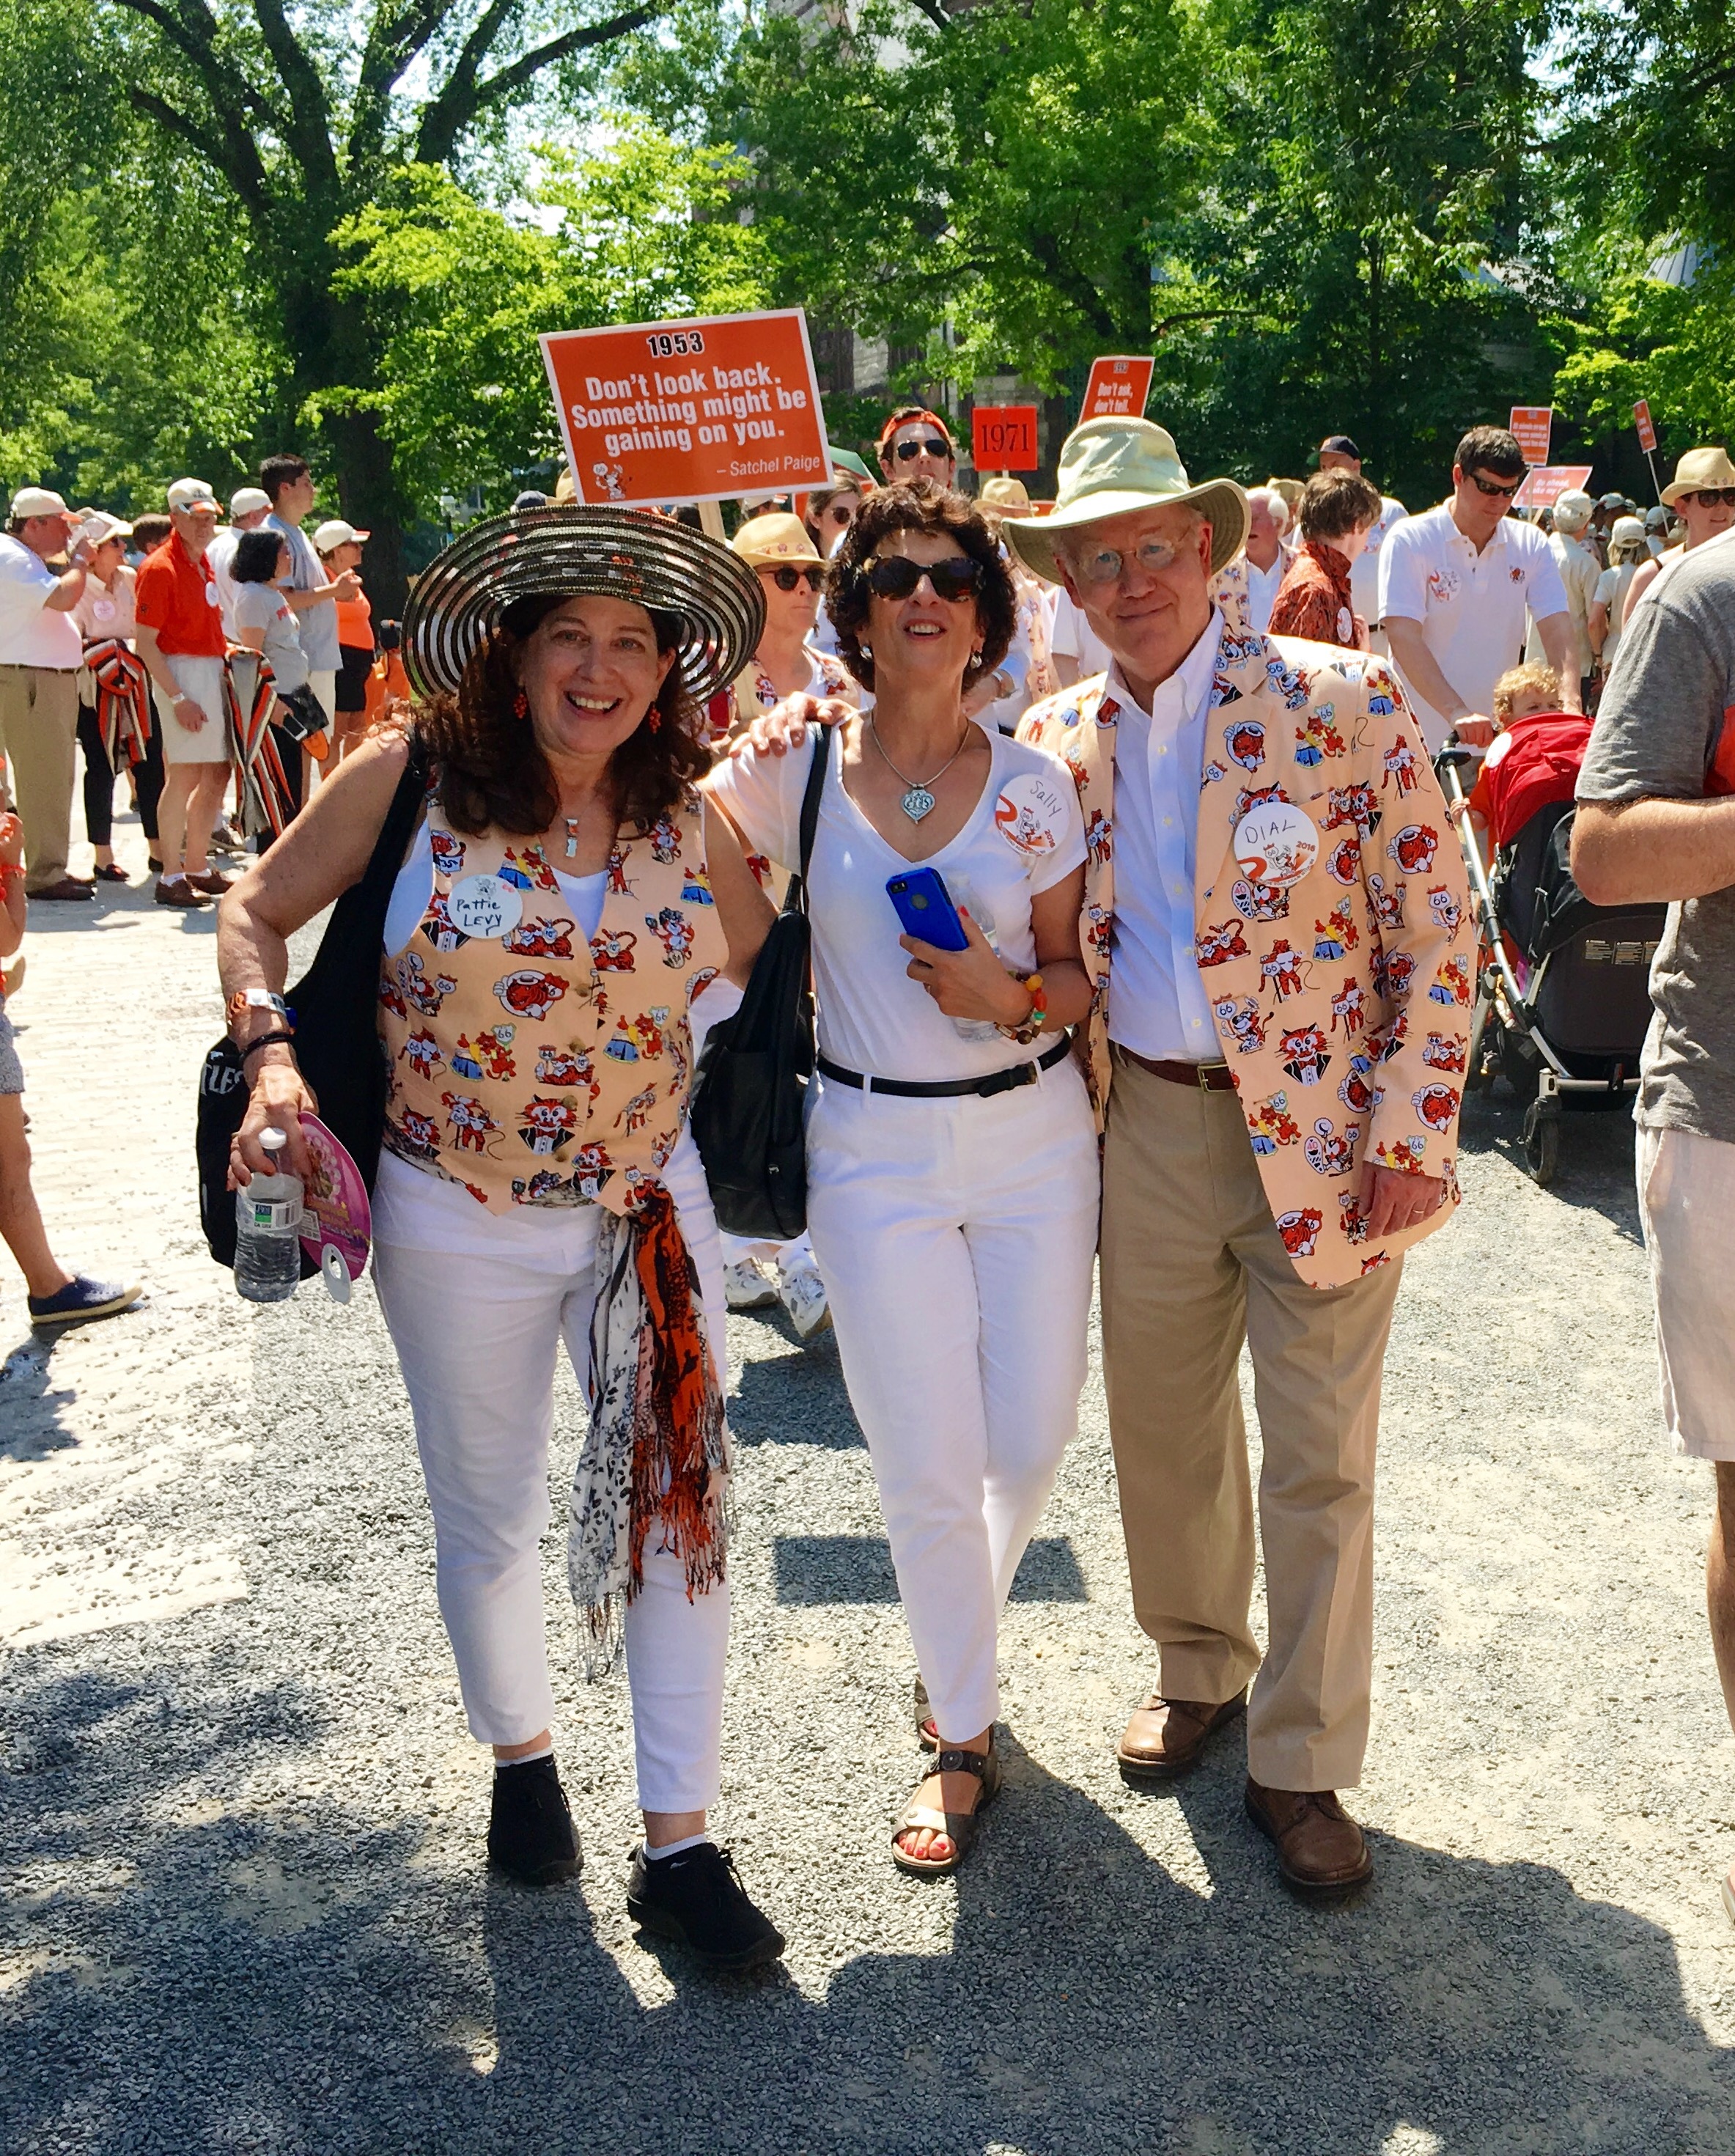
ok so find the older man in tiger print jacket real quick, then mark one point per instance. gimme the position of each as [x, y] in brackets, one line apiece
[1275, 920]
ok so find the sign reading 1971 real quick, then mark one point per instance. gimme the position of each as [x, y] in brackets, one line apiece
[1003, 437]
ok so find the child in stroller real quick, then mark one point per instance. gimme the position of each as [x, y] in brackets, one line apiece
[1562, 999]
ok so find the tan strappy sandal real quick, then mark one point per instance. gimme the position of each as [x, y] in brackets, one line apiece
[958, 1827]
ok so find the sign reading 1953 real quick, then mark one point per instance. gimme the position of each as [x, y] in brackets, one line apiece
[674, 344]
[1002, 437]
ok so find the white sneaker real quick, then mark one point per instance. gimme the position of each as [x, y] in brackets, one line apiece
[745, 1287]
[802, 1293]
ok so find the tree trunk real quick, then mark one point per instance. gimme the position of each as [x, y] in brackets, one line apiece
[371, 501]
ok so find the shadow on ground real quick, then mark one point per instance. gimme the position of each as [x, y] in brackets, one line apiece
[198, 1980]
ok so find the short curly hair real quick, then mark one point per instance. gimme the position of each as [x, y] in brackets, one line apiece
[941, 511]
[489, 771]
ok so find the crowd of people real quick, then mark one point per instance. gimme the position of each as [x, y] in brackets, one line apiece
[1160, 753]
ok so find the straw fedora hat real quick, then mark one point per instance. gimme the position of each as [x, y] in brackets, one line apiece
[1708, 467]
[1009, 495]
[765, 541]
[1110, 466]
[574, 551]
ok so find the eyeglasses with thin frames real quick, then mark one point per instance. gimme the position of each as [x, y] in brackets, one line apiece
[1107, 565]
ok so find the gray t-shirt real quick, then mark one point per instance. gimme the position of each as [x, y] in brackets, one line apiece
[263, 606]
[1664, 711]
[307, 573]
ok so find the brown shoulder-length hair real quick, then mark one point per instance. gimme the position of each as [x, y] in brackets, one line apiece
[491, 771]
[939, 511]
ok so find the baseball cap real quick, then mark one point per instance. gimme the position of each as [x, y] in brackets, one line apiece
[188, 494]
[247, 500]
[38, 502]
[337, 533]
[1612, 501]
[96, 527]
[1340, 445]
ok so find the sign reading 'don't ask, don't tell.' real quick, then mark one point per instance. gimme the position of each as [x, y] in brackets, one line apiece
[703, 410]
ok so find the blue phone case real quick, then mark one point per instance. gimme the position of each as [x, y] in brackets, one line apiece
[925, 907]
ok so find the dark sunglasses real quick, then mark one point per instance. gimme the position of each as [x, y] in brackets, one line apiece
[841, 513]
[786, 579]
[895, 576]
[1711, 497]
[905, 451]
[1490, 486]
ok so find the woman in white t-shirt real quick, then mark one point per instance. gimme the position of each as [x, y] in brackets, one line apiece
[951, 1163]
[1628, 553]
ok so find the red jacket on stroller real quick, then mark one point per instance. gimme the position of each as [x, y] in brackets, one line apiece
[1533, 762]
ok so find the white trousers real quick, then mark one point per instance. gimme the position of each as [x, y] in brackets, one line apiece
[957, 1238]
[477, 1329]
[1687, 1188]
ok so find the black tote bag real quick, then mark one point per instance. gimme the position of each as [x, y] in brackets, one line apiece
[337, 1032]
[751, 1090]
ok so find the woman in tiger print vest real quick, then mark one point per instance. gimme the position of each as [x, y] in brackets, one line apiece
[563, 900]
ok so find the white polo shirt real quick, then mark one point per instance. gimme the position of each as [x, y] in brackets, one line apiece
[1364, 570]
[1472, 606]
[1158, 1004]
[31, 635]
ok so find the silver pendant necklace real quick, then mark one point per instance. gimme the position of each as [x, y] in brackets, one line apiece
[918, 799]
[572, 836]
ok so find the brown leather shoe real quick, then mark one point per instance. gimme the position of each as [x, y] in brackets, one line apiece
[1321, 1850]
[1167, 1738]
[213, 883]
[69, 887]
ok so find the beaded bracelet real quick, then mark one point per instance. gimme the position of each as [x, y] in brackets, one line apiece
[1036, 1017]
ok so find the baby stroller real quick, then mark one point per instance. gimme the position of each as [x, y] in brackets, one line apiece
[1563, 987]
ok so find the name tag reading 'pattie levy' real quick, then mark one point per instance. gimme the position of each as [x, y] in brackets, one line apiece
[1276, 843]
[484, 905]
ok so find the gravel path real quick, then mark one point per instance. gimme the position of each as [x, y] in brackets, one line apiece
[244, 1909]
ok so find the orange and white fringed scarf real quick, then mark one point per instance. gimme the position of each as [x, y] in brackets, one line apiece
[655, 1461]
[123, 700]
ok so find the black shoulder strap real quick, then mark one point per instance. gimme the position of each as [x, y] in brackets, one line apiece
[349, 950]
[796, 899]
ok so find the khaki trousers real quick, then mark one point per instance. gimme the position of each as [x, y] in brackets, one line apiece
[38, 732]
[1192, 1265]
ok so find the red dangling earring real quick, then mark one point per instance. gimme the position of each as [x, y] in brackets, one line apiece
[521, 706]
[654, 721]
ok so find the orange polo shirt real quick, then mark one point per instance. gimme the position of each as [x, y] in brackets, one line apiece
[177, 597]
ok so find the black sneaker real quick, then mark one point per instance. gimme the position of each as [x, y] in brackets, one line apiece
[530, 1830]
[695, 1899]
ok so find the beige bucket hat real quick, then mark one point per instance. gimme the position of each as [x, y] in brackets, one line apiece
[766, 542]
[1709, 467]
[1110, 466]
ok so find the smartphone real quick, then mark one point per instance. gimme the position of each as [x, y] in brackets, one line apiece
[925, 908]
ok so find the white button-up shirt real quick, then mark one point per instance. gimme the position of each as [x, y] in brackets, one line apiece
[1472, 606]
[1263, 586]
[32, 633]
[1157, 1005]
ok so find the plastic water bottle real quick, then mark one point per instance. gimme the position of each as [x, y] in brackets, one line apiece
[965, 898]
[268, 1231]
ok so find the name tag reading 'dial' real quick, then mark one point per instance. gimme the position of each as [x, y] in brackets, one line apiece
[484, 905]
[1276, 843]
[1031, 813]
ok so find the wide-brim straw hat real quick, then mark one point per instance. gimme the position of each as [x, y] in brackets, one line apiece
[1699, 468]
[574, 551]
[768, 541]
[1005, 495]
[1111, 467]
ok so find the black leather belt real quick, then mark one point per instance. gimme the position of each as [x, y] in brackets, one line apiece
[1209, 1077]
[951, 1089]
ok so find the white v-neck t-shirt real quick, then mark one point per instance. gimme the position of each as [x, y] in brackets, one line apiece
[1026, 834]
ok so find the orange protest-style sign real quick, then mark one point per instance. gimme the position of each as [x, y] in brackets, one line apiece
[1117, 389]
[1003, 437]
[1647, 432]
[703, 410]
[1545, 483]
[1533, 425]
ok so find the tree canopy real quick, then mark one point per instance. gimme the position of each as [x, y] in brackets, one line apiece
[230, 225]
